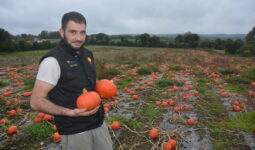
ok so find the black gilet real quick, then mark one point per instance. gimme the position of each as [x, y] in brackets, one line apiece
[77, 72]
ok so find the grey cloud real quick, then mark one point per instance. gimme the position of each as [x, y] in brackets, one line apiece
[133, 16]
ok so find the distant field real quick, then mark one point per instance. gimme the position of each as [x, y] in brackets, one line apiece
[120, 54]
[106, 53]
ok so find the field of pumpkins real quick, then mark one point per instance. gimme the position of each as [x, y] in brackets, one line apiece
[157, 106]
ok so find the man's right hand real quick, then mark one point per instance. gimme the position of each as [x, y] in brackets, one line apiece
[82, 112]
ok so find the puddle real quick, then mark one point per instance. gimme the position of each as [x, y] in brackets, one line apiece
[53, 146]
[249, 140]
[192, 139]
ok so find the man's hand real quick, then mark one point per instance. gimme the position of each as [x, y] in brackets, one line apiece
[82, 112]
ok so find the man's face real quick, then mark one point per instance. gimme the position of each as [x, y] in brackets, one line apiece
[74, 33]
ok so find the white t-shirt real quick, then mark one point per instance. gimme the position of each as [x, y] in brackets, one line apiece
[49, 71]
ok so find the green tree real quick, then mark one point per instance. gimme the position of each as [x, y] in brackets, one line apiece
[219, 44]
[187, 40]
[250, 37]
[231, 47]
[102, 39]
[155, 41]
[144, 39]
[91, 39]
[250, 42]
[44, 35]
[6, 43]
[24, 45]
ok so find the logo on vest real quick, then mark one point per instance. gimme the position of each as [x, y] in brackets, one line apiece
[72, 63]
[89, 60]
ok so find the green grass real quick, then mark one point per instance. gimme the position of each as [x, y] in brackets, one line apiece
[216, 109]
[236, 88]
[39, 131]
[148, 70]
[223, 132]
[208, 96]
[176, 68]
[219, 144]
[250, 74]
[236, 80]
[143, 71]
[106, 73]
[203, 80]
[149, 110]
[3, 84]
[29, 84]
[229, 71]
[202, 88]
[167, 83]
[154, 98]
[122, 120]
[195, 70]
[25, 53]
[243, 121]
[131, 64]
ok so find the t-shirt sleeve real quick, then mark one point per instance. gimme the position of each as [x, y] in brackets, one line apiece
[49, 71]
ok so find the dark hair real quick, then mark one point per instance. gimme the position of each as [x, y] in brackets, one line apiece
[74, 16]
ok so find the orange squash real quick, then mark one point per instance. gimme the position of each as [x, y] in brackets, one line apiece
[57, 137]
[190, 122]
[106, 88]
[195, 93]
[135, 97]
[115, 125]
[172, 142]
[37, 120]
[167, 146]
[158, 103]
[236, 108]
[88, 100]
[47, 117]
[12, 130]
[12, 113]
[54, 128]
[185, 107]
[177, 109]
[153, 133]
[25, 94]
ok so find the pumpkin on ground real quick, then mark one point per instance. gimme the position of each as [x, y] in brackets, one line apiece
[56, 137]
[106, 88]
[190, 122]
[115, 125]
[12, 130]
[153, 133]
[47, 117]
[172, 142]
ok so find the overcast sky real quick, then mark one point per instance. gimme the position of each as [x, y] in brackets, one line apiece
[131, 16]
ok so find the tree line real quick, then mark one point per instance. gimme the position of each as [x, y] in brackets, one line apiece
[23, 42]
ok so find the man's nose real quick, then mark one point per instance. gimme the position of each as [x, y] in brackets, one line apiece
[79, 36]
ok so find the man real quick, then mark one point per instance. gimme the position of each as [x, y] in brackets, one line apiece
[63, 73]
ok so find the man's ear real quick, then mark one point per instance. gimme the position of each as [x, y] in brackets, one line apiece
[61, 32]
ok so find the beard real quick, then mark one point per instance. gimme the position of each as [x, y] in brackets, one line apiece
[77, 41]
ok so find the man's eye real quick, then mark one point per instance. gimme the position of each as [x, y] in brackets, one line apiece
[73, 32]
[83, 32]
